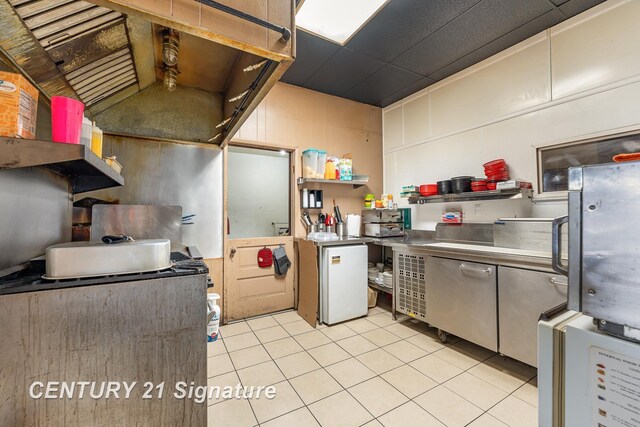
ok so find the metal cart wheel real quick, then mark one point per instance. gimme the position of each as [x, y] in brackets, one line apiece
[442, 335]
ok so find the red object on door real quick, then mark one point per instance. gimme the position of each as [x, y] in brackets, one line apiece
[265, 258]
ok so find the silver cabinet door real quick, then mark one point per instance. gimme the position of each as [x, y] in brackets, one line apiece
[522, 296]
[611, 243]
[462, 300]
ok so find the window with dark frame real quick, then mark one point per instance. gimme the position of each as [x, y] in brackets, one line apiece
[555, 161]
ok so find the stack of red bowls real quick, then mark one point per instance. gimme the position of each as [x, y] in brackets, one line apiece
[479, 184]
[496, 171]
[428, 190]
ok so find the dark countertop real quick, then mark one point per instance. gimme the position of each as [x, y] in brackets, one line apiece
[29, 279]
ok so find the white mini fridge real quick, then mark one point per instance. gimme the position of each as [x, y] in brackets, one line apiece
[343, 286]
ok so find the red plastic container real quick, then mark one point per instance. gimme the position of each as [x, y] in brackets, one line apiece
[66, 119]
[498, 177]
[428, 190]
[496, 170]
[491, 185]
[495, 164]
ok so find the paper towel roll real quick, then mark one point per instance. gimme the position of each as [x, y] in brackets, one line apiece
[353, 225]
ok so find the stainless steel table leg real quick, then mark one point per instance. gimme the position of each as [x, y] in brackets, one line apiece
[393, 305]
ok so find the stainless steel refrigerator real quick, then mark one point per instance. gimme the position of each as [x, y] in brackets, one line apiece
[589, 372]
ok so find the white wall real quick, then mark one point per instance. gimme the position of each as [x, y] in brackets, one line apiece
[257, 191]
[577, 80]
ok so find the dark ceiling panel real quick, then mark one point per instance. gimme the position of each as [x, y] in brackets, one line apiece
[311, 53]
[478, 26]
[512, 38]
[410, 44]
[343, 71]
[406, 91]
[574, 7]
[401, 24]
[382, 84]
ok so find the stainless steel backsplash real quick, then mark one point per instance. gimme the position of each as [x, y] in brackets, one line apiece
[526, 233]
[469, 233]
[35, 212]
[172, 174]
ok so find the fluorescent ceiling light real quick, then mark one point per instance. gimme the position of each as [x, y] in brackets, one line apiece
[336, 20]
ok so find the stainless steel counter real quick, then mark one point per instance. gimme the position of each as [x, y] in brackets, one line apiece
[491, 254]
[345, 241]
[472, 252]
[389, 241]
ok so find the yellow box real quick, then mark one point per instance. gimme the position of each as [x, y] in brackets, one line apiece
[18, 106]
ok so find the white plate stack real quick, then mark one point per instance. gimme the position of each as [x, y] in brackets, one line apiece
[387, 279]
[372, 273]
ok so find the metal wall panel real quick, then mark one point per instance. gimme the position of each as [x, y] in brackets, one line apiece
[35, 212]
[172, 174]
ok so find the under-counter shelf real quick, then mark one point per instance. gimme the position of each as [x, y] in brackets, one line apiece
[381, 288]
[85, 170]
[517, 193]
[354, 183]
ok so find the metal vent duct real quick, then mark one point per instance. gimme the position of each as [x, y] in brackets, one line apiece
[88, 43]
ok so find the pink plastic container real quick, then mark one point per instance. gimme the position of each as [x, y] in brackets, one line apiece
[66, 119]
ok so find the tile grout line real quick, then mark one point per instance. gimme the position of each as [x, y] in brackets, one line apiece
[288, 379]
[283, 375]
[306, 350]
[238, 376]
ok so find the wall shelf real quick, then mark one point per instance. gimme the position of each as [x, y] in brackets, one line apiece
[85, 170]
[354, 183]
[517, 193]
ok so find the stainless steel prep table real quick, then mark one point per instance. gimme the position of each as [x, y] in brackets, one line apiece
[500, 256]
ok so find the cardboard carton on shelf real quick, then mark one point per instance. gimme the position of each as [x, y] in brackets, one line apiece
[18, 106]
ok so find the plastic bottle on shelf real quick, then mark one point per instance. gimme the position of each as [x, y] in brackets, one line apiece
[330, 170]
[214, 320]
[96, 140]
[85, 133]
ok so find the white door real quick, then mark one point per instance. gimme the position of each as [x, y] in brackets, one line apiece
[258, 206]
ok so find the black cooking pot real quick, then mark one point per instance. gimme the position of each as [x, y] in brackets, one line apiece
[444, 187]
[461, 184]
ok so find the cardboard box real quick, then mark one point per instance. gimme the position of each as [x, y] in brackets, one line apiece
[18, 106]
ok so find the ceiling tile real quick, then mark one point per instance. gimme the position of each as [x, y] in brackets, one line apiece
[512, 38]
[406, 91]
[574, 7]
[311, 53]
[401, 24]
[480, 25]
[382, 84]
[343, 71]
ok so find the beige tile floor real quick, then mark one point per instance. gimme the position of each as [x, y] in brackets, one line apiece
[368, 372]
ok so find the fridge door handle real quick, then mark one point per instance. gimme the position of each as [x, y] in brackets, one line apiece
[556, 245]
[475, 270]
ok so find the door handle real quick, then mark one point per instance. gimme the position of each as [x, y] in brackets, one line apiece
[556, 245]
[233, 252]
[556, 282]
[477, 270]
